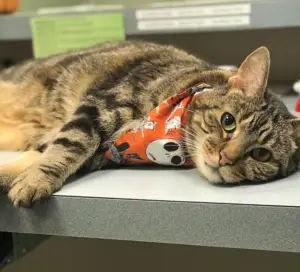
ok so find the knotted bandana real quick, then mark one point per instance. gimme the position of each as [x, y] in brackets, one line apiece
[158, 138]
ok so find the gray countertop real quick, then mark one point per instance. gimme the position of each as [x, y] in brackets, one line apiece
[167, 206]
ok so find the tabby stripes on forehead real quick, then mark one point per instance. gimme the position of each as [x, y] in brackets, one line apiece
[262, 130]
[259, 120]
[266, 138]
[246, 115]
[253, 121]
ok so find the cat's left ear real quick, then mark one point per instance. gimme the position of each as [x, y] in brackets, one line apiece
[252, 76]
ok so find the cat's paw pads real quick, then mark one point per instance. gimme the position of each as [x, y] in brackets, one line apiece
[29, 188]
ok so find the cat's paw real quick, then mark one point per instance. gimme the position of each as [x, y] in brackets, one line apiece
[30, 187]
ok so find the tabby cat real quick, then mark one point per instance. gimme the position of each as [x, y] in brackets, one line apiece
[65, 110]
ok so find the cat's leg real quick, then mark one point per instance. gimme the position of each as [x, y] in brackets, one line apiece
[10, 171]
[74, 144]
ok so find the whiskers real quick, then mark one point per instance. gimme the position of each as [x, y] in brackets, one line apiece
[192, 111]
[189, 132]
[189, 144]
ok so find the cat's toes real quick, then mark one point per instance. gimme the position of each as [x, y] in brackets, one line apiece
[30, 188]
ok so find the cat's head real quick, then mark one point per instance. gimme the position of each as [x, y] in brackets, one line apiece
[240, 131]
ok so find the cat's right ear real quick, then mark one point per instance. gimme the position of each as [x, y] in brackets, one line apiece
[252, 76]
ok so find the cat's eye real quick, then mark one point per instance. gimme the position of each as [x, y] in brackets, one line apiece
[261, 154]
[228, 122]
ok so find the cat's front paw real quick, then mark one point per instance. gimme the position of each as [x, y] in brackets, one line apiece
[30, 187]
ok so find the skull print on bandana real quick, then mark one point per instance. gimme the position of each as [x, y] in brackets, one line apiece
[158, 138]
[166, 152]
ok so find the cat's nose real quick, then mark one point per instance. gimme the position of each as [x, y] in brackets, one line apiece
[225, 159]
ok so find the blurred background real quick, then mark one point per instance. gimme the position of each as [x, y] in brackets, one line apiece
[223, 32]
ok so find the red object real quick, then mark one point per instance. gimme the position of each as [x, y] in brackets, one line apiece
[297, 109]
[158, 138]
[8, 6]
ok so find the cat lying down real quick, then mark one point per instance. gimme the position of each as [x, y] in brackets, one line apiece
[69, 112]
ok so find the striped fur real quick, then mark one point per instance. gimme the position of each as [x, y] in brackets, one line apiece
[66, 109]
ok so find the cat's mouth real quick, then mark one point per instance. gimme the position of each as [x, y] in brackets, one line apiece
[216, 168]
[211, 164]
[208, 166]
[208, 170]
[217, 174]
[221, 175]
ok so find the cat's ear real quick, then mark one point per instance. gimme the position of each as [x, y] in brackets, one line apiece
[252, 76]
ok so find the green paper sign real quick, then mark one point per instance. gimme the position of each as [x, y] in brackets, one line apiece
[52, 35]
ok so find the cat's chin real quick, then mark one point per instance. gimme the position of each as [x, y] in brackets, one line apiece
[209, 169]
[208, 172]
[213, 174]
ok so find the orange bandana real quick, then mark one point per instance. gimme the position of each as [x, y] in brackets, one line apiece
[157, 138]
